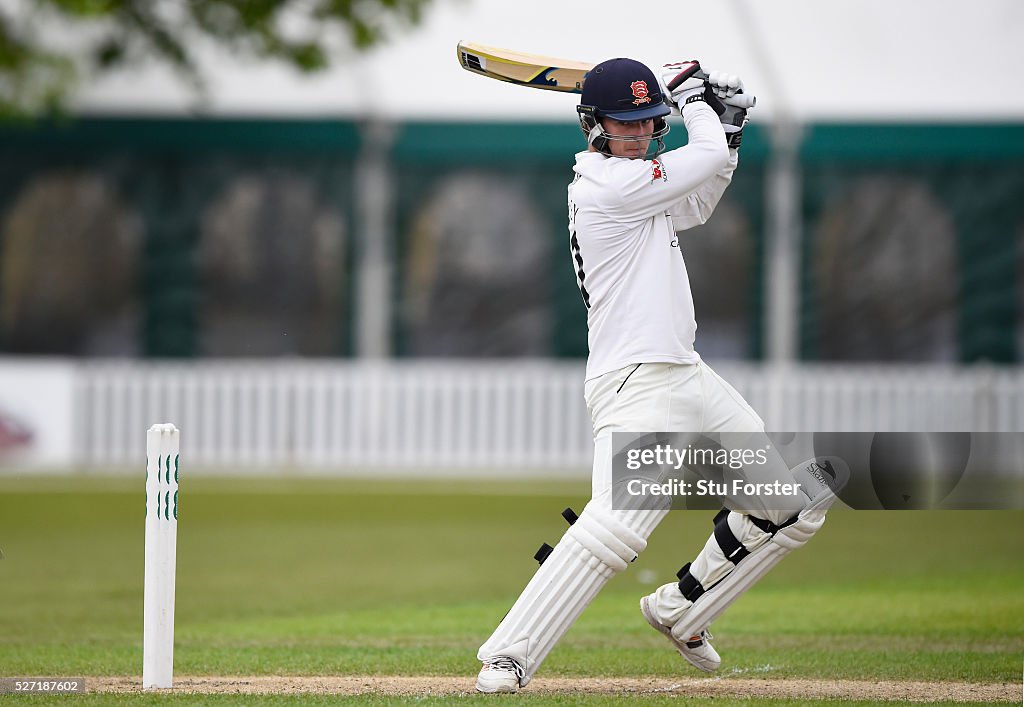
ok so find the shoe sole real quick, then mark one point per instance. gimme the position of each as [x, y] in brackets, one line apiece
[495, 691]
[667, 632]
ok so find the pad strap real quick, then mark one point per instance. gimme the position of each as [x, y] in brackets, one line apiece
[732, 548]
[689, 587]
[769, 527]
[542, 553]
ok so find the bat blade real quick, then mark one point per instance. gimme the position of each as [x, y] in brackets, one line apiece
[549, 73]
[530, 70]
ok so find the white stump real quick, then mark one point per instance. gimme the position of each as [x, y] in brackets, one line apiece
[161, 544]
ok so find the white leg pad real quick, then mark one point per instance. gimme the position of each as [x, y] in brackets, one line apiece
[709, 568]
[716, 600]
[725, 582]
[592, 551]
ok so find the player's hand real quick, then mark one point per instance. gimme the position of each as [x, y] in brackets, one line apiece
[733, 119]
[724, 85]
[691, 87]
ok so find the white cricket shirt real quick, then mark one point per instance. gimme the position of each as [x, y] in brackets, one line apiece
[623, 218]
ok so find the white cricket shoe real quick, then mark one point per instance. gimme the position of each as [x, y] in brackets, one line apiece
[499, 674]
[697, 650]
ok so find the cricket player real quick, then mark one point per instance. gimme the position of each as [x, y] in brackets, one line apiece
[643, 374]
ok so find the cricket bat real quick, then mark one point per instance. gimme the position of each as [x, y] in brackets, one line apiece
[551, 74]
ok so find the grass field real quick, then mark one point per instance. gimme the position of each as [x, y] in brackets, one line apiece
[309, 577]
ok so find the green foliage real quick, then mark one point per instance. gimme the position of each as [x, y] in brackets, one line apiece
[38, 68]
[31, 77]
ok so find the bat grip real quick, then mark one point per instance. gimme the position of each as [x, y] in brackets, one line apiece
[740, 100]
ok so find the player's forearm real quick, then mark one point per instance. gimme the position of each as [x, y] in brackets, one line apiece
[696, 208]
[644, 188]
[705, 153]
[705, 134]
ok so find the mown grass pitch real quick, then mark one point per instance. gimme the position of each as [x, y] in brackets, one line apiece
[349, 577]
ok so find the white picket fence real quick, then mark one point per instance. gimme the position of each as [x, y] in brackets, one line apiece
[238, 415]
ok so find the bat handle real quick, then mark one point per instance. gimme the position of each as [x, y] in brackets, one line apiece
[740, 100]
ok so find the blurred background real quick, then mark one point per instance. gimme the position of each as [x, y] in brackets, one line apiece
[301, 232]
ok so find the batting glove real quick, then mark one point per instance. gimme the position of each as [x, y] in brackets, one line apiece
[733, 119]
[684, 91]
[724, 85]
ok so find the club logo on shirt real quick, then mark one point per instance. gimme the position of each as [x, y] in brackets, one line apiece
[658, 171]
[639, 89]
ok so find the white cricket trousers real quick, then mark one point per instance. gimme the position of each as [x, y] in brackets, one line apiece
[661, 397]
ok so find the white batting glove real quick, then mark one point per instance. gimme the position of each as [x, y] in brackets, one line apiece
[691, 87]
[724, 85]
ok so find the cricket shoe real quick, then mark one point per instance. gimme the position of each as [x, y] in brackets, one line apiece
[697, 650]
[499, 674]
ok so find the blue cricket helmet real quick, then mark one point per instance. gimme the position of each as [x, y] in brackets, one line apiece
[625, 90]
